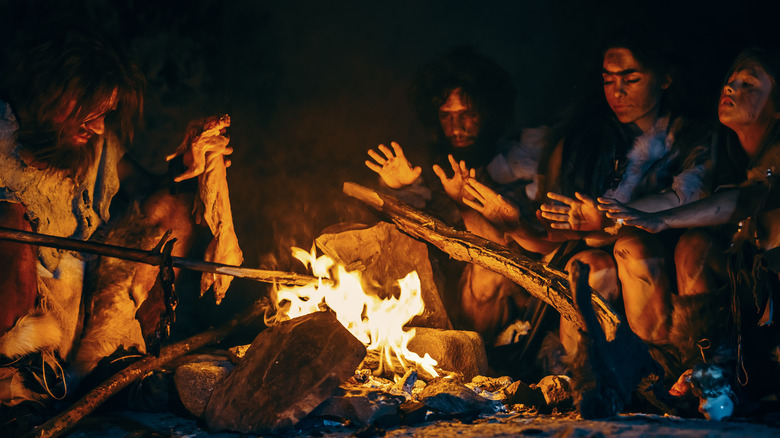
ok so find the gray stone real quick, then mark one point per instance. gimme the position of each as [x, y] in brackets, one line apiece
[452, 397]
[288, 371]
[361, 406]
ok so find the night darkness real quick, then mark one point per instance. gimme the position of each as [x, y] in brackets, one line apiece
[310, 86]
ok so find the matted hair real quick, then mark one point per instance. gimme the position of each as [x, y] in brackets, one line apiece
[485, 85]
[63, 66]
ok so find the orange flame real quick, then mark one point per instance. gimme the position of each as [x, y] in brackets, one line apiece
[377, 323]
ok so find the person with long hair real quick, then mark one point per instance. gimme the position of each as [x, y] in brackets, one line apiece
[70, 101]
[634, 143]
[727, 260]
[465, 102]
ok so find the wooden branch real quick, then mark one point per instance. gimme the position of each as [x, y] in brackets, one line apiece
[548, 284]
[152, 258]
[93, 399]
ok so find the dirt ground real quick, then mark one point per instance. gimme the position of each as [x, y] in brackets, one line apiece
[135, 424]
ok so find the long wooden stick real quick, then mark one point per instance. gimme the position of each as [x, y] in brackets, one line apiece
[152, 258]
[90, 401]
[548, 284]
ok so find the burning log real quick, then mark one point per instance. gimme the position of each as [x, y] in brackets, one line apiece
[288, 371]
[548, 284]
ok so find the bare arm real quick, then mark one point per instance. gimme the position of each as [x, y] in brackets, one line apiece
[721, 208]
[504, 218]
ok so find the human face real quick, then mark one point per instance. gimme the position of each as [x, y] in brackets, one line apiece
[745, 99]
[459, 121]
[94, 123]
[633, 93]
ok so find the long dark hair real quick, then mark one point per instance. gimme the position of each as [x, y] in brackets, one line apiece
[485, 85]
[60, 63]
[732, 160]
[594, 142]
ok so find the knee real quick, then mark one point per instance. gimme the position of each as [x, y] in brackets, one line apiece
[637, 247]
[603, 274]
[693, 247]
[640, 256]
[597, 259]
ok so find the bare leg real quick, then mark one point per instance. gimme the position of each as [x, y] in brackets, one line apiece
[641, 261]
[603, 278]
[699, 262]
[699, 327]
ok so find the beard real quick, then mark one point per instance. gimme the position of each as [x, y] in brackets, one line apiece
[60, 154]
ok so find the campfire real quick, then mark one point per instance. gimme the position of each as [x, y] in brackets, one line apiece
[378, 323]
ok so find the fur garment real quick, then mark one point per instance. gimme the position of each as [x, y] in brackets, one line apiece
[111, 313]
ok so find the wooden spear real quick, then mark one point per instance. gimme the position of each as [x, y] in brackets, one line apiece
[155, 258]
[548, 284]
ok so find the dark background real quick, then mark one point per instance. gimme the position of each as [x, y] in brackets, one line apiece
[310, 86]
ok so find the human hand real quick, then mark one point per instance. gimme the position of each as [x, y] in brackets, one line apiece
[494, 207]
[625, 215]
[455, 187]
[204, 143]
[580, 214]
[394, 169]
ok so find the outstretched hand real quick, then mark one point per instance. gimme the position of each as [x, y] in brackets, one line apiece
[494, 207]
[204, 142]
[580, 214]
[625, 215]
[394, 169]
[455, 187]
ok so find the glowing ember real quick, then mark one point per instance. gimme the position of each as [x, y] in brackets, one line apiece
[377, 323]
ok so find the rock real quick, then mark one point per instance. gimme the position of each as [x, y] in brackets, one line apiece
[452, 397]
[456, 351]
[557, 391]
[196, 381]
[237, 353]
[413, 412]
[288, 371]
[491, 388]
[520, 393]
[361, 406]
[388, 255]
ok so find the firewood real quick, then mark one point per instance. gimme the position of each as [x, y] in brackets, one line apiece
[546, 283]
[93, 399]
